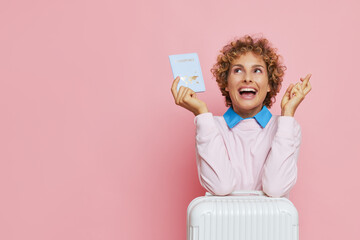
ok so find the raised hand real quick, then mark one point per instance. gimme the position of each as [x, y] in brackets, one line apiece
[294, 95]
[187, 99]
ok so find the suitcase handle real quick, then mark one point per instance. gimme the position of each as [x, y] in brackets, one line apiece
[242, 193]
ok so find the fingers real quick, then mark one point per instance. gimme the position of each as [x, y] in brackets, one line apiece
[180, 94]
[296, 90]
[297, 94]
[305, 81]
[306, 86]
[188, 94]
[307, 89]
[184, 96]
[288, 90]
[285, 99]
[174, 87]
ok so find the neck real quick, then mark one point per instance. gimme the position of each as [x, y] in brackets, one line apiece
[247, 113]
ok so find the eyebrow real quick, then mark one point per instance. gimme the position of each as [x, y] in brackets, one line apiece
[254, 66]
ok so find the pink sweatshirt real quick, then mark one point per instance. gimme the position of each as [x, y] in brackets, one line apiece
[247, 157]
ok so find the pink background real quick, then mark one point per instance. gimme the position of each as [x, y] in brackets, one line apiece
[92, 145]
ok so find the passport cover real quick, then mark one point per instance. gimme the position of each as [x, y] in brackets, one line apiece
[187, 67]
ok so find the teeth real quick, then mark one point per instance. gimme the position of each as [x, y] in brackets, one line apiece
[248, 90]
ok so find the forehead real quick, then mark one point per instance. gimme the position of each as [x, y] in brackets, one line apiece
[249, 59]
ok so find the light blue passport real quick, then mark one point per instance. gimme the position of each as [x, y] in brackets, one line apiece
[187, 67]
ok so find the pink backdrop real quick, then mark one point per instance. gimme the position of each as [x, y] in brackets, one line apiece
[92, 145]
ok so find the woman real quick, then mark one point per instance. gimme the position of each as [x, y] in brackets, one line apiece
[247, 148]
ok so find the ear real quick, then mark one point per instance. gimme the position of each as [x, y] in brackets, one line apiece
[268, 88]
[226, 89]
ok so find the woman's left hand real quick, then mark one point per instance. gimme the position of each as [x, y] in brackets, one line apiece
[294, 96]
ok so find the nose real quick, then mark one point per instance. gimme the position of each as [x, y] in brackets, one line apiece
[247, 79]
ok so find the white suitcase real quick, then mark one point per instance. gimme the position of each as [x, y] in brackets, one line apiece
[242, 216]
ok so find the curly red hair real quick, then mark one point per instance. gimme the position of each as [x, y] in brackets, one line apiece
[260, 46]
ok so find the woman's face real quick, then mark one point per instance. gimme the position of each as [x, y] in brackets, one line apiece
[248, 84]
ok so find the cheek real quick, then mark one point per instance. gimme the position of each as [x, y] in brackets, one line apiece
[230, 85]
[266, 84]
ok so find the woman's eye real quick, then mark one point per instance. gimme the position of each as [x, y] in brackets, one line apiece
[258, 70]
[237, 70]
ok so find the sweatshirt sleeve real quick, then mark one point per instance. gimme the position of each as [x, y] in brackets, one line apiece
[280, 169]
[215, 170]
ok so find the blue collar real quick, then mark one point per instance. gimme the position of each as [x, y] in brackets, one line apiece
[232, 118]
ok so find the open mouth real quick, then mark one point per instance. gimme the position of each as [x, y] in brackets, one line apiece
[247, 91]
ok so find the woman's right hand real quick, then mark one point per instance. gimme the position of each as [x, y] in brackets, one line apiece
[187, 98]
